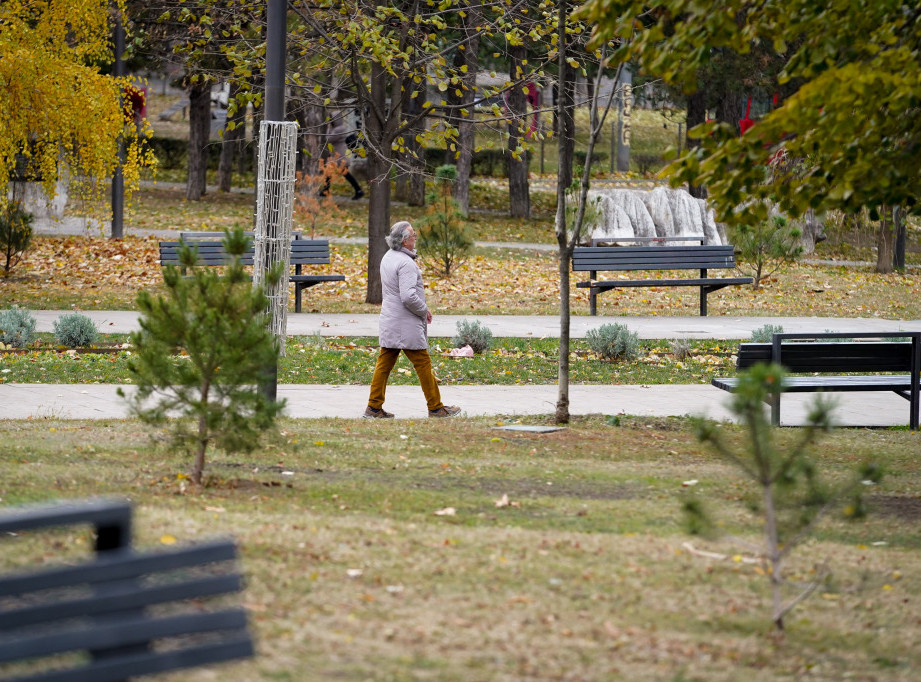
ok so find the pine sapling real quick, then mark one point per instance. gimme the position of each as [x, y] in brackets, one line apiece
[201, 353]
[442, 233]
[792, 497]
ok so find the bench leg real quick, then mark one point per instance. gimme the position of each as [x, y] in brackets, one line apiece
[592, 301]
[703, 302]
[297, 297]
[775, 409]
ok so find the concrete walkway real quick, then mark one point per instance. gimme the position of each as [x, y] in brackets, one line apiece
[100, 401]
[96, 401]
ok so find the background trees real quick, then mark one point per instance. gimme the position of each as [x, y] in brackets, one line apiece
[58, 114]
[846, 137]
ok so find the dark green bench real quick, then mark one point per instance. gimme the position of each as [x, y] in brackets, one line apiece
[303, 252]
[106, 619]
[595, 259]
[834, 362]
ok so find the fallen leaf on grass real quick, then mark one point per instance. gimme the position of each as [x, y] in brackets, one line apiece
[447, 511]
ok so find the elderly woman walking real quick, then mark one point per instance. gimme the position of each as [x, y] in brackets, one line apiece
[404, 325]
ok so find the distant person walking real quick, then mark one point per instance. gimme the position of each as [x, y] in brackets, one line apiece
[336, 136]
[404, 325]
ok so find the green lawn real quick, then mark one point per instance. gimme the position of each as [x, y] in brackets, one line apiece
[387, 551]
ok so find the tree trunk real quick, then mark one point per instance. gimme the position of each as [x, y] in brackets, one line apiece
[813, 231]
[898, 258]
[731, 109]
[310, 118]
[199, 133]
[378, 183]
[567, 122]
[230, 143]
[465, 123]
[696, 115]
[563, 180]
[519, 195]
[885, 243]
[410, 180]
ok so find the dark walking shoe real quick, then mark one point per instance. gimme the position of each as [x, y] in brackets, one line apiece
[445, 411]
[371, 413]
[358, 194]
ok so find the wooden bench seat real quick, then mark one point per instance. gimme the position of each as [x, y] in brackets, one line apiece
[303, 252]
[859, 364]
[105, 619]
[702, 258]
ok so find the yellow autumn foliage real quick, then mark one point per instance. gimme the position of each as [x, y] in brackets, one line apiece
[57, 111]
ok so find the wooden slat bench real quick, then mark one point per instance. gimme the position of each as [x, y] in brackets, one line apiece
[858, 365]
[120, 614]
[699, 257]
[303, 252]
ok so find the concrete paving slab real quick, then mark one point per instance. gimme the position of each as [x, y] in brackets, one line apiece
[100, 401]
[531, 326]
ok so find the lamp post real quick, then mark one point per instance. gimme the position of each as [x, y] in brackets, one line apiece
[275, 45]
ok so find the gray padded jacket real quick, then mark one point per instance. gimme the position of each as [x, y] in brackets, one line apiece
[403, 310]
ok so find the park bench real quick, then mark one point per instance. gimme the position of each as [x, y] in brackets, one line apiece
[303, 252]
[699, 257]
[859, 365]
[121, 613]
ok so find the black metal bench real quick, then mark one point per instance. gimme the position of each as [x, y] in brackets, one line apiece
[303, 252]
[687, 257]
[858, 362]
[120, 614]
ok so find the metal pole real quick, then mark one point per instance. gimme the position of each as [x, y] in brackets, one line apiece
[118, 176]
[275, 39]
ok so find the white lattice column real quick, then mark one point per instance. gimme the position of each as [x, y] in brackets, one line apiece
[274, 212]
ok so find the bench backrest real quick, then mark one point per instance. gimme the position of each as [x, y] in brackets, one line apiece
[595, 258]
[116, 611]
[798, 353]
[210, 252]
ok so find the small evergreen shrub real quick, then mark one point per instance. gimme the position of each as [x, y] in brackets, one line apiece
[473, 334]
[75, 330]
[614, 342]
[17, 327]
[15, 235]
[442, 234]
[765, 334]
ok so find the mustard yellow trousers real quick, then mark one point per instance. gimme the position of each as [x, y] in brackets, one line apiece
[423, 365]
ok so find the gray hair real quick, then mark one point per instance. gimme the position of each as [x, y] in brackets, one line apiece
[398, 233]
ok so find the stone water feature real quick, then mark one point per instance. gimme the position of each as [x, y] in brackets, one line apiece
[661, 212]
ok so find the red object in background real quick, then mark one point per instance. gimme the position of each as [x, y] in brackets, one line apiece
[746, 123]
[137, 99]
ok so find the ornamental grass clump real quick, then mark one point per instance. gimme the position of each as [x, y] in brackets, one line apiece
[473, 334]
[766, 333]
[17, 327]
[614, 342]
[75, 330]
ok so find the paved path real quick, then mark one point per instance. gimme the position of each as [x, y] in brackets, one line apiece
[94, 401]
[536, 326]
[100, 401]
